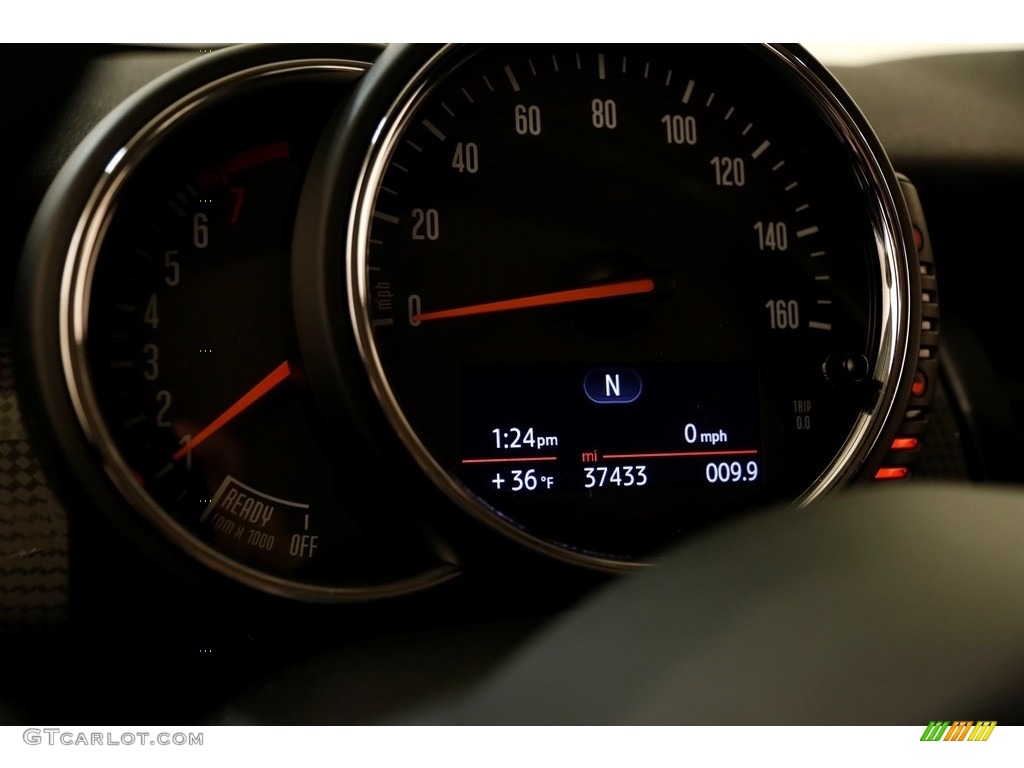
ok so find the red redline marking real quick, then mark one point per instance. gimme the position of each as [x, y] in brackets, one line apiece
[280, 150]
[611, 290]
[257, 156]
[510, 460]
[682, 455]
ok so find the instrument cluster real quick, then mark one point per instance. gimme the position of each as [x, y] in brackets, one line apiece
[325, 318]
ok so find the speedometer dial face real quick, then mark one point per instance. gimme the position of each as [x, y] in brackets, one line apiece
[609, 294]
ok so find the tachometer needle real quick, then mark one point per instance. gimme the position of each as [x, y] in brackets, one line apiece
[279, 374]
[606, 291]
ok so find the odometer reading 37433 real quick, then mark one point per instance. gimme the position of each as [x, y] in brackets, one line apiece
[609, 294]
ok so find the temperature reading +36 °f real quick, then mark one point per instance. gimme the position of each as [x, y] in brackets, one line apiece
[514, 438]
[522, 480]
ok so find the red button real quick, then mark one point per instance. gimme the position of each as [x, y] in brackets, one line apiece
[904, 443]
[892, 473]
[918, 239]
[920, 385]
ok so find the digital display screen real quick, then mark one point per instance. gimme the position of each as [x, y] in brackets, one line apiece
[541, 429]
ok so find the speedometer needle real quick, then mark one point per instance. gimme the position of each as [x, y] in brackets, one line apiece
[606, 291]
[279, 374]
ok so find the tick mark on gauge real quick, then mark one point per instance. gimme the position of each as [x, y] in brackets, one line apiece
[710, 99]
[388, 190]
[806, 231]
[124, 307]
[386, 217]
[623, 65]
[533, 69]
[668, 77]
[400, 167]
[512, 78]
[121, 364]
[144, 254]
[414, 145]
[688, 92]
[816, 254]
[819, 326]
[434, 130]
[778, 165]
[447, 109]
[176, 208]
[790, 187]
[801, 209]
[824, 302]
[488, 84]
[600, 66]
[466, 94]
[165, 471]
[728, 114]
[760, 149]
[579, 64]
[134, 420]
[747, 129]
[383, 321]
[554, 62]
[374, 241]
[821, 278]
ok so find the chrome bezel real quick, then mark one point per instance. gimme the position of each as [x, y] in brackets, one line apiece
[888, 221]
[75, 292]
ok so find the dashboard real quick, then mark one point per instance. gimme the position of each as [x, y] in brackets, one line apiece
[356, 383]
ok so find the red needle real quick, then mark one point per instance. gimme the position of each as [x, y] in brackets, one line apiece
[279, 374]
[607, 291]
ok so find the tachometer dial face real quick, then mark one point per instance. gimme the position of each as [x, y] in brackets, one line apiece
[185, 365]
[608, 294]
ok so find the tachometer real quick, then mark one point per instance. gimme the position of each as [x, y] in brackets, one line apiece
[608, 294]
[177, 338]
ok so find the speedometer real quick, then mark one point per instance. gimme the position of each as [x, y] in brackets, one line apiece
[606, 295]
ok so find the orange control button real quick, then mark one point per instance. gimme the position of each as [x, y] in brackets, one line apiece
[920, 385]
[904, 443]
[892, 473]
